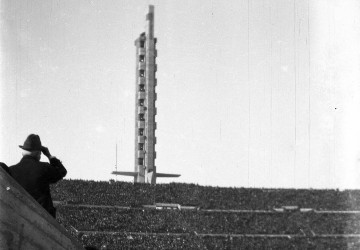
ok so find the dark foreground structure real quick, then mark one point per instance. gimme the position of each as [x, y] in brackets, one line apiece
[119, 215]
[123, 215]
[25, 225]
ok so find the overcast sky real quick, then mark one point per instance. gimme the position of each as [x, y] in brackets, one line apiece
[251, 93]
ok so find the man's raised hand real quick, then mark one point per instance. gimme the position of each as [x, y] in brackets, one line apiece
[45, 151]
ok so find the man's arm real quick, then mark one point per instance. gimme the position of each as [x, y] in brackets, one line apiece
[56, 171]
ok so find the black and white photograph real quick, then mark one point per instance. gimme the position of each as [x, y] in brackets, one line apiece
[157, 124]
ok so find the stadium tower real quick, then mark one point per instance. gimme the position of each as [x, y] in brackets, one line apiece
[145, 106]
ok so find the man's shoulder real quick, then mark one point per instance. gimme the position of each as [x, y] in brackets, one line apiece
[30, 163]
[15, 165]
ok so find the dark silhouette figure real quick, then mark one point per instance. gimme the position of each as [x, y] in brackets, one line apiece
[36, 176]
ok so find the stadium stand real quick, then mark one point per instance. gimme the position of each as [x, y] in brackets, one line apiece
[25, 225]
[203, 222]
[138, 194]
[118, 215]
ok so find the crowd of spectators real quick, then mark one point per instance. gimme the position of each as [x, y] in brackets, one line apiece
[114, 241]
[130, 220]
[175, 221]
[103, 193]
[117, 241]
[294, 243]
[136, 194]
[101, 223]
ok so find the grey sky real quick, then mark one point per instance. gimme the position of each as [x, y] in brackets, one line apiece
[250, 93]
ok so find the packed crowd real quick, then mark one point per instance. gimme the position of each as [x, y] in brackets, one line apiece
[130, 220]
[175, 221]
[132, 226]
[135, 195]
[103, 193]
[115, 241]
[295, 243]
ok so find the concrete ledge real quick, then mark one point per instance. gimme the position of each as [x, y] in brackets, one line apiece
[25, 225]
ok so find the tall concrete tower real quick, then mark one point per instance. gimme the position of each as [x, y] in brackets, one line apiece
[145, 106]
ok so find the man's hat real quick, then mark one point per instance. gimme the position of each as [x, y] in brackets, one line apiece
[32, 143]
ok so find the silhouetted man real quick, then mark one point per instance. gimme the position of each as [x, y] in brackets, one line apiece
[36, 176]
